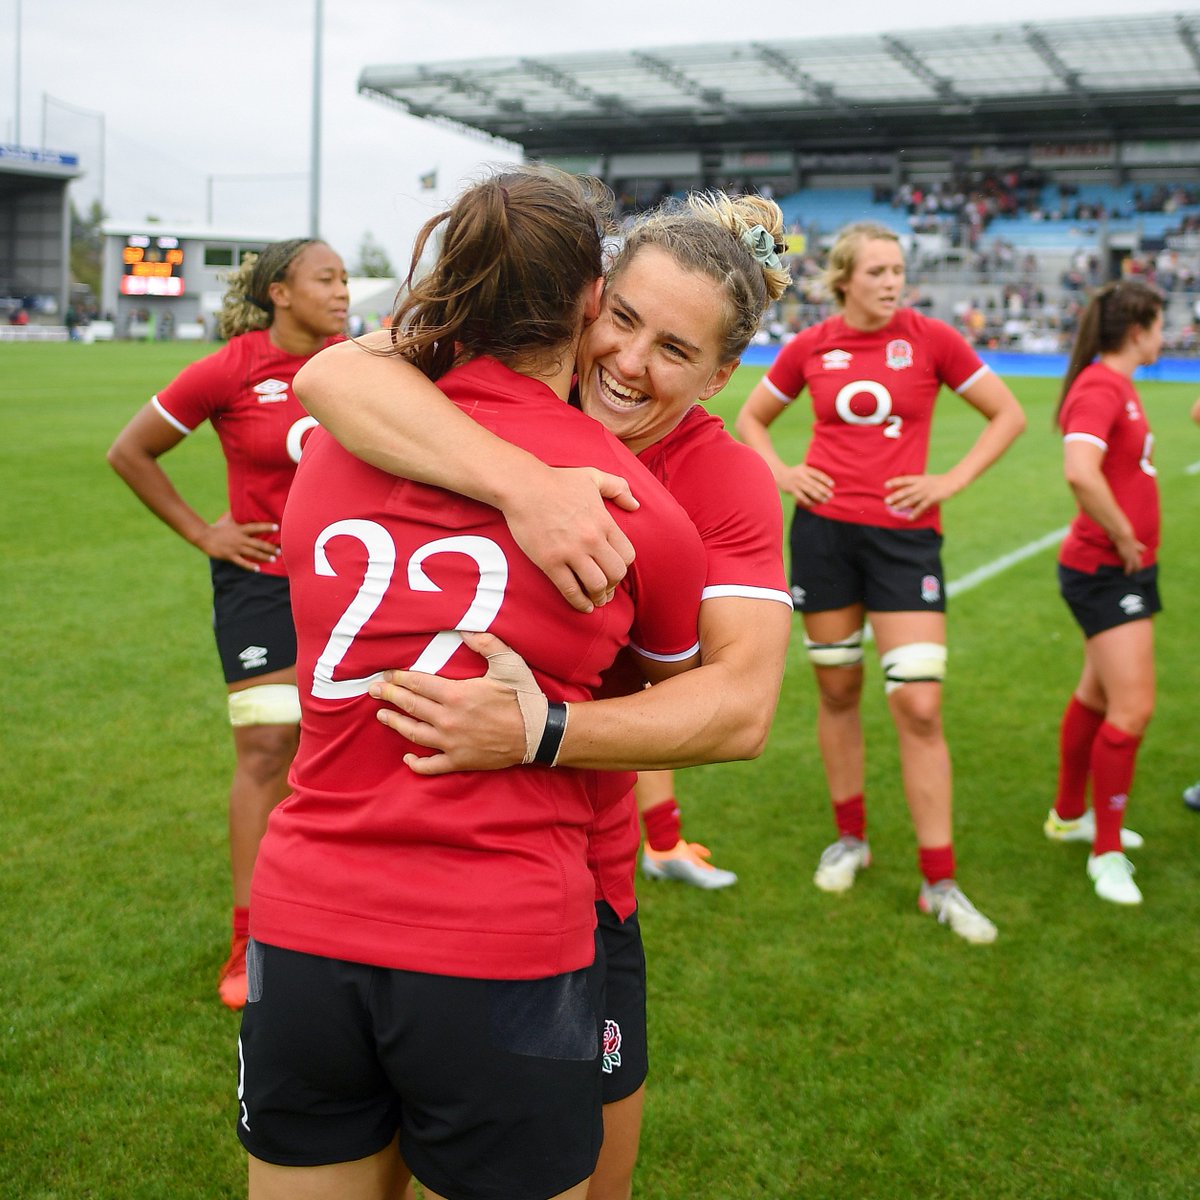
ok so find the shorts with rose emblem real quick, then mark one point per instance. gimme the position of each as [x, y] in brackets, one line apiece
[836, 564]
[623, 1055]
[492, 1085]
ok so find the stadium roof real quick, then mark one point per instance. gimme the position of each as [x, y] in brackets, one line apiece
[1136, 76]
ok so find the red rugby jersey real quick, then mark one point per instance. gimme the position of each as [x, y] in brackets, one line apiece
[873, 396]
[245, 390]
[481, 874]
[1102, 408]
[728, 491]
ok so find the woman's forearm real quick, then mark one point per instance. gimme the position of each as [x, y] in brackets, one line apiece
[386, 412]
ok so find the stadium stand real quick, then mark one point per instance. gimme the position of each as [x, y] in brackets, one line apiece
[1021, 163]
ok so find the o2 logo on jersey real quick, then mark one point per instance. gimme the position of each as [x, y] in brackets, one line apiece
[381, 564]
[880, 414]
[296, 435]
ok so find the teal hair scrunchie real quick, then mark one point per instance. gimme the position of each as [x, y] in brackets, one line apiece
[761, 244]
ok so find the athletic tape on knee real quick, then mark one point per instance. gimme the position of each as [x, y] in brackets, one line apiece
[917, 662]
[846, 653]
[266, 704]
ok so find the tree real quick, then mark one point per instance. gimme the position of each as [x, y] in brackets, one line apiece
[87, 244]
[373, 261]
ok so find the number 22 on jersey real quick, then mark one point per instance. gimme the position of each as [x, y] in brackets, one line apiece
[381, 565]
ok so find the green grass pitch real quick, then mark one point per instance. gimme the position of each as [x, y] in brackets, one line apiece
[803, 1045]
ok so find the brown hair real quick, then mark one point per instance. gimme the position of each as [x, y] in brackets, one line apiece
[247, 304]
[1105, 323]
[710, 233]
[839, 266]
[517, 251]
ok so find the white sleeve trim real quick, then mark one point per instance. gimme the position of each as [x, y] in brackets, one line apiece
[983, 370]
[168, 418]
[783, 399]
[1086, 437]
[745, 592]
[693, 649]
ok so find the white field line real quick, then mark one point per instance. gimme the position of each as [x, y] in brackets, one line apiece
[996, 566]
[1192, 469]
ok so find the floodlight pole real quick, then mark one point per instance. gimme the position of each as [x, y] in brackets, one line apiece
[314, 167]
[17, 74]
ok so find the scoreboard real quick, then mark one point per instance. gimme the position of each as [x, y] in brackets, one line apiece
[153, 266]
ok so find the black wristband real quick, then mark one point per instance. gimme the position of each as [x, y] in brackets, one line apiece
[552, 735]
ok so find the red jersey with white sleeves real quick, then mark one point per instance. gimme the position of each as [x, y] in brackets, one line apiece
[873, 395]
[479, 874]
[245, 390]
[730, 495]
[1102, 408]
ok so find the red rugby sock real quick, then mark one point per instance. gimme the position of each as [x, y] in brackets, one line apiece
[851, 817]
[1075, 738]
[1113, 754]
[937, 862]
[663, 823]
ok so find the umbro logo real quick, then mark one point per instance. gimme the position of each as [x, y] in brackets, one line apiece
[836, 360]
[1131, 603]
[271, 391]
[253, 657]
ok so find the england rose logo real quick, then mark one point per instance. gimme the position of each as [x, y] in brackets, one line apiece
[612, 1046]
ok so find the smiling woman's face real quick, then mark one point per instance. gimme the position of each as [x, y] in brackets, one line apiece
[654, 350]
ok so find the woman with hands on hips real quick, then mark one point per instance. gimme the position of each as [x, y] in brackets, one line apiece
[282, 306]
[866, 541]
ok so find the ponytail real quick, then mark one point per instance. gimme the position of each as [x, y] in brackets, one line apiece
[1105, 323]
[517, 252]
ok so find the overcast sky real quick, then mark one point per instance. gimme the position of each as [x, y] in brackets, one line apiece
[220, 88]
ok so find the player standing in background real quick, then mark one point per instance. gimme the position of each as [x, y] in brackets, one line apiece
[1108, 576]
[666, 853]
[866, 541]
[281, 308]
[682, 301]
[1191, 795]
[422, 948]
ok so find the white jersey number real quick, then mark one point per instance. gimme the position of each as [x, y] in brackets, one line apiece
[295, 436]
[881, 414]
[381, 565]
[1147, 455]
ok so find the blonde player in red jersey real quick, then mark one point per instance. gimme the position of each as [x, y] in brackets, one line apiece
[866, 539]
[681, 302]
[281, 308]
[1108, 576]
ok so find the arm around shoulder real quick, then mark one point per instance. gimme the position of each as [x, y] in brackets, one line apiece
[385, 411]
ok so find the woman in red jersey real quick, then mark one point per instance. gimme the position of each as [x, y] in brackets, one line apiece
[1191, 795]
[281, 308]
[1108, 576]
[681, 303]
[422, 949]
[866, 541]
